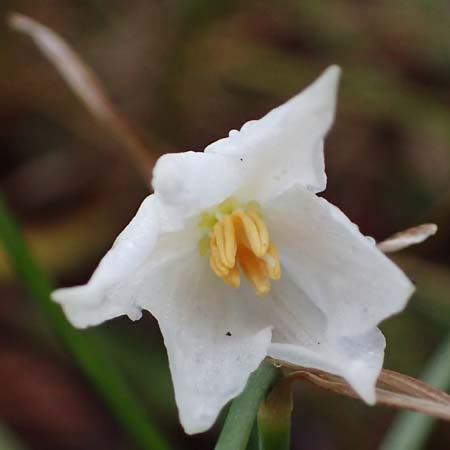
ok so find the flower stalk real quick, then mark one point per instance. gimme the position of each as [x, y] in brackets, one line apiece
[241, 416]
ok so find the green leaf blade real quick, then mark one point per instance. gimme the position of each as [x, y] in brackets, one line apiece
[100, 371]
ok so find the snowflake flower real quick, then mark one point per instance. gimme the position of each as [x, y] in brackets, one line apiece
[238, 259]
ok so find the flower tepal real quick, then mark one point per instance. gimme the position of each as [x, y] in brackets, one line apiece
[238, 259]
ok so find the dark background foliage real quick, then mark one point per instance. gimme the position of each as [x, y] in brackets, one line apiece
[186, 72]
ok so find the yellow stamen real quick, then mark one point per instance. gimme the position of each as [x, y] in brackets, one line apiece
[239, 239]
[215, 260]
[219, 235]
[273, 262]
[255, 270]
[250, 232]
[233, 278]
[230, 240]
[218, 271]
[262, 231]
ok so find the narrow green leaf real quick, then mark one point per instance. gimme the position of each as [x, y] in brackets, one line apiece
[96, 365]
[411, 430]
[241, 416]
[275, 417]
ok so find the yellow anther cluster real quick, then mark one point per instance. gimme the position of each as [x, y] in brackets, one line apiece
[239, 239]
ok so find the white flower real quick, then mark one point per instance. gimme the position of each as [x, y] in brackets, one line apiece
[239, 259]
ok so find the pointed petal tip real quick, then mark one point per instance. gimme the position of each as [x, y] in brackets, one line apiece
[322, 93]
[368, 397]
[81, 306]
[333, 70]
[363, 384]
[331, 76]
[58, 295]
[70, 295]
[336, 67]
[72, 299]
[198, 421]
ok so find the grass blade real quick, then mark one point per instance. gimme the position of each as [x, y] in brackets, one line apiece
[96, 366]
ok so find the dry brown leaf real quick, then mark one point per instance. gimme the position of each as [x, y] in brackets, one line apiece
[393, 389]
[84, 83]
[406, 238]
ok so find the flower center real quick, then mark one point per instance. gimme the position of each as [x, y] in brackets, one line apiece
[237, 239]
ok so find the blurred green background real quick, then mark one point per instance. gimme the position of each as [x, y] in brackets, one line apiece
[186, 72]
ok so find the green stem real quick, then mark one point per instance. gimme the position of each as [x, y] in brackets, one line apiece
[97, 367]
[241, 416]
[274, 417]
[253, 440]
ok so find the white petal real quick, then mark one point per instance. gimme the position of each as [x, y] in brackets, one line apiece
[294, 315]
[338, 268]
[190, 182]
[213, 334]
[358, 359]
[266, 157]
[286, 145]
[89, 304]
[299, 337]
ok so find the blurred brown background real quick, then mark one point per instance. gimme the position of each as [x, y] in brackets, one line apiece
[186, 72]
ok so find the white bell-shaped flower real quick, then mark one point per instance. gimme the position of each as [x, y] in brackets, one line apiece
[239, 259]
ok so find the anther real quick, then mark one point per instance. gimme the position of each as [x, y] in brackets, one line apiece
[239, 239]
[218, 234]
[230, 241]
[250, 232]
[233, 278]
[262, 231]
[273, 262]
[216, 261]
[255, 271]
